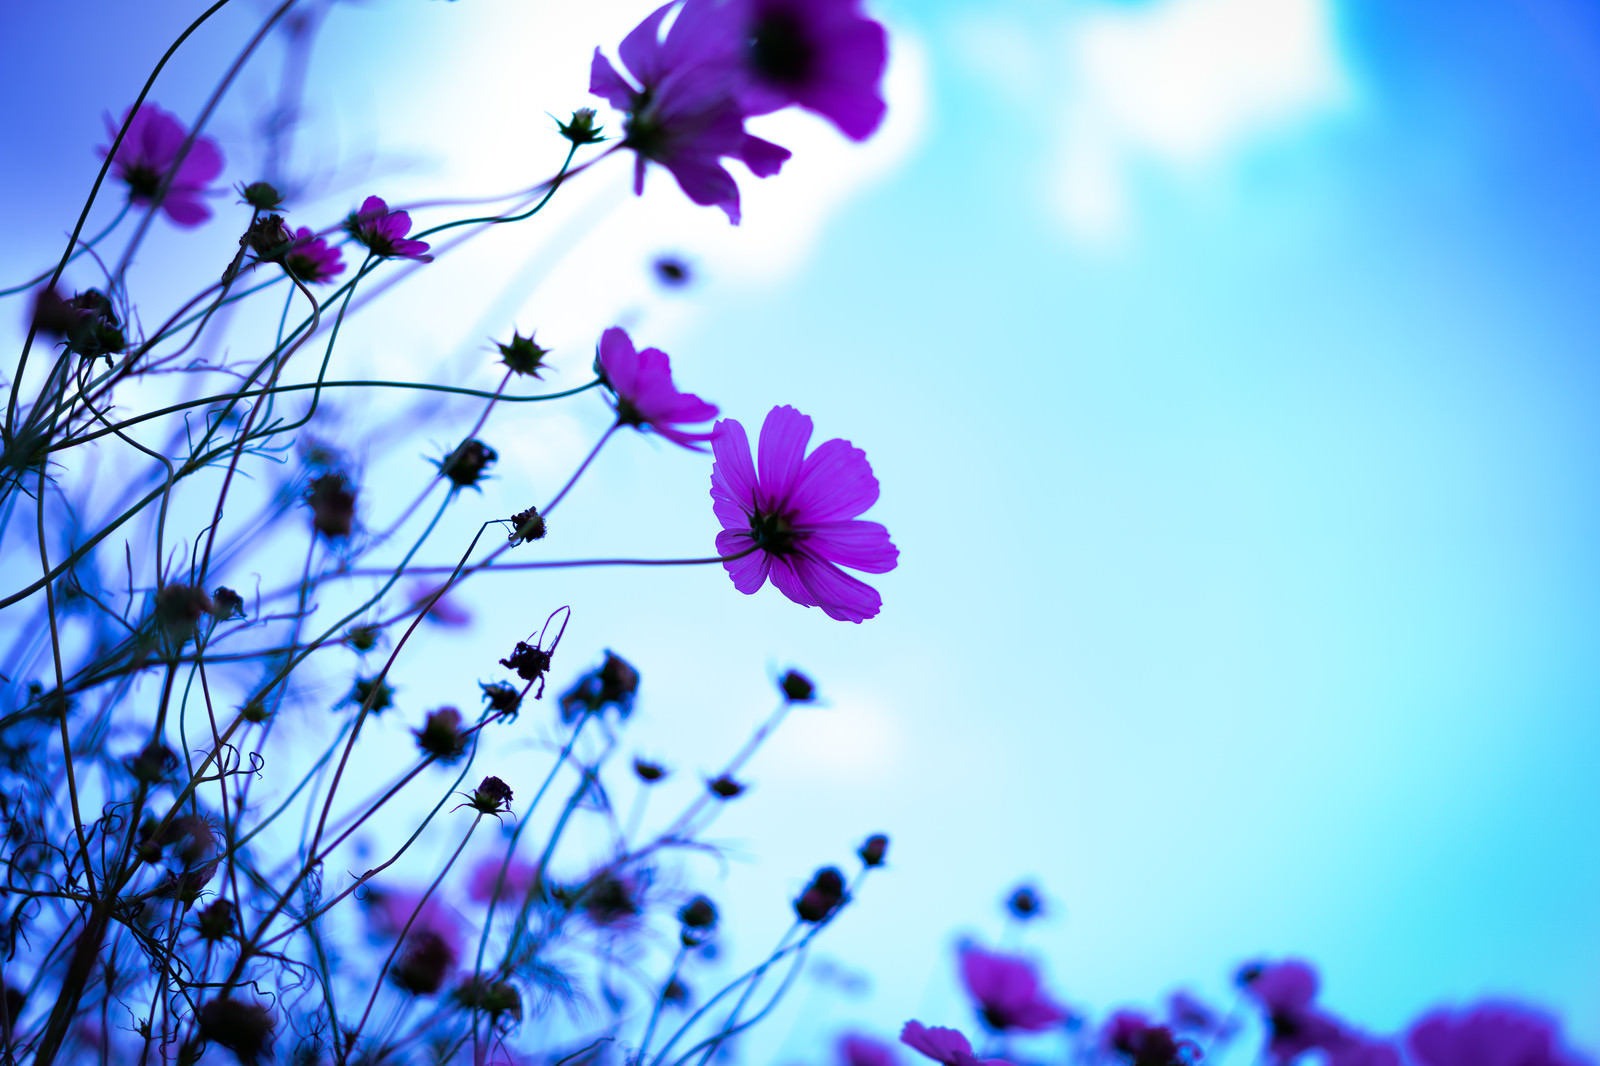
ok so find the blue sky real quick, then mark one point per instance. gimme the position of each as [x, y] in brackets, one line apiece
[1229, 369]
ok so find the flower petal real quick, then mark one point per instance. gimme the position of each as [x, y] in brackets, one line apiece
[619, 361]
[640, 50]
[841, 596]
[856, 544]
[785, 576]
[606, 83]
[836, 482]
[733, 472]
[748, 572]
[784, 435]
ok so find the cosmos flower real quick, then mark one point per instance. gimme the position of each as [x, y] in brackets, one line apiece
[149, 153]
[384, 231]
[1489, 1034]
[1132, 1037]
[1285, 991]
[520, 879]
[943, 1045]
[685, 113]
[1006, 991]
[311, 259]
[646, 396]
[856, 1049]
[793, 516]
[823, 55]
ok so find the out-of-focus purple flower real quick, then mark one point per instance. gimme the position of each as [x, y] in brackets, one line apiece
[1360, 1051]
[794, 516]
[943, 1045]
[432, 944]
[520, 878]
[646, 396]
[821, 54]
[384, 231]
[685, 113]
[1005, 989]
[857, 1049]
[311, 259]
[149, 153]
[1285, 991]
[1188, 1014]
[1489, 1034]
[1137, 1041]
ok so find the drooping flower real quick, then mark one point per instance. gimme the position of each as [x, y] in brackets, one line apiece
[1489, 1034]
[432, 942]
[943, 1045]
[857, 1049]
[792, 517]
[1285, 991]
[685, 113]
[823, 55]
[1138, 1042]
[1005, 989]
[645, 394]
[384, 231]
[147, 156]
[311, 259]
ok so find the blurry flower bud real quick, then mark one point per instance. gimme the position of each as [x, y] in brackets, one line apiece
[608, 899]
[491, 796]
[724, 787]
[441, 736]
[226, 604]
[215, 921]
[618, 682]
[192, 837]
[179, 609]
[527, 526]
[824, 895]
[333, 505]
[494, 998]
[522, 356]
[53, 316]
[371, 693]
[649, 772]
[581, 129]
[1024, 903]
[268, 238]
[797, 687]
[1247, 974]
[675, 994]
[873, 851]
[255, 710]
[243, 1028]
[362, 637]
[87, 322]
[529, 661]
[699, 918]
[503, 699]
[261, 196]
[672, 271]
[152, 765]
[425, 959]
[465, 466]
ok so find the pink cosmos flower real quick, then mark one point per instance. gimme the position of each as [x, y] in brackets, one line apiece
[310, 258]
[943, 1045]
[1006, 991]
[384, 231]
[823, 55]
[794, 516]
[1489, 1034]
[646, 396]
[1132, 1037]
[149, 153]
[856, 1049]
[1285, 990]
[685, 113]
[520, 877]
[1360, 1051]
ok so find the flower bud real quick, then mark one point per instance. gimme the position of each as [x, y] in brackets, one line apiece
[261, 196]
[152, 765]
[362, 637]
[672, 271]
[425, 960]
[873, 851]
[268, 238]
[466, 465]
[333, 505]
[724, 787]
[503, 699]
[649, 772]
[179, 609]
[494, 998]
[699, 918]
[527, 526]
[491, 796]
[529, 661]
[215, 921]
[1024, 903]
[797, 687]
[372, 693]
[243, 1028]
[522, 356]
[226, 604]
[581, 129]
[824, 895]
[441, 735]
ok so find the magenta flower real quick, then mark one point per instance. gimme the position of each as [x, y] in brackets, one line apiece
[823, 55]
[1489, 1034]
[1359, 1051]
[685, 113]
[1006, 991]
[384, 231]
[1132, 1037]
[791, 517]
[855, 1049]
[943, 1045]
[646, 396]
[520, 878]
[310, 258]
[148, 154]
[1285, 991]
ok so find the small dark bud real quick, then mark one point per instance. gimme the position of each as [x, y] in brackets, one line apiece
[492, 796]
[649, 772]
[226, 604]
[581, 130]
[261, 196]
[179, 609]
[528, 660]
[215, 921]
[371, 693]
[243, 1028]
[87, 322]
[268, 238]
[824, 895]
[1024, 903]
[192, 837]
[797, 687]
[522, 356]
[255, 710]
[619, 681]
[527, 526]
[699, 918]
[609, 899]
[724, 787]
[362, 637]
[873, 851]
[152, 765]
[441, 736]
[333, 505]
[1247, 974]
[614, 684]
[672, 271]
[148, 845]
[675, 994]
[465, 466]
[502, 698]
[53, 316]
[424, 961]
[494, 998]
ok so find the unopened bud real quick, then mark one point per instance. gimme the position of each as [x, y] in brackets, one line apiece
[824, 895]
[873, 851]
[797, 687]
